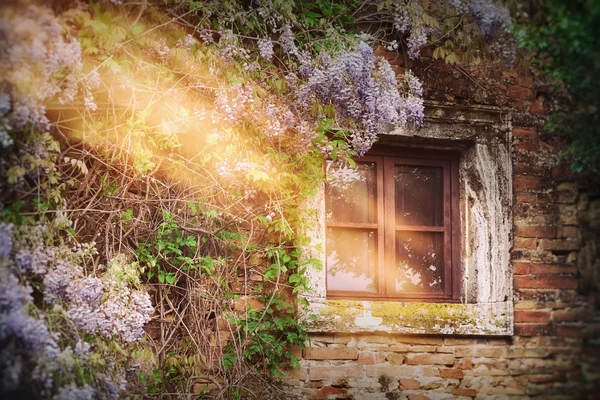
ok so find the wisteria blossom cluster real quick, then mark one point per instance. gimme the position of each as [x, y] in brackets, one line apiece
[364, 91]
[25, 338]
[34, 55]
[235, 103]
[112, 306]
[490, 15]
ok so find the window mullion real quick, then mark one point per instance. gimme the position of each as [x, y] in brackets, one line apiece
[389, 207]
[447, 218]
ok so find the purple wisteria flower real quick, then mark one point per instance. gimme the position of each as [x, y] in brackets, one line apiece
[73, 392]
[6, 239]
[265, 47]
[365, 93]
[287, 41]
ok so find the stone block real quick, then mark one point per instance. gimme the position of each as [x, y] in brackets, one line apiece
[428, 359]
[334, 372]
[409, 384]
[370, 358]
[331, 353]
[396, 358]
[465, 392]
[452, 373]
[375, 371]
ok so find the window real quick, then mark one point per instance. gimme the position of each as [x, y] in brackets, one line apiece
[392, 227]
[348, 224]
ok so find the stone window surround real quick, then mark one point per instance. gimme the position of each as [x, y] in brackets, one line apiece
[482, 135]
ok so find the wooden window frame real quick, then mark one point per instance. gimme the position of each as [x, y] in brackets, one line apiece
[385, 160]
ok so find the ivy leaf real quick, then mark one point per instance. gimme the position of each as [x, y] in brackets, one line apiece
[14, 174]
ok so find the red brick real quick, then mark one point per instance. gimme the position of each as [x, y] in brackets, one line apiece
[545, 282]
[528, 169]
[532, 329]
[568, 232]
[248, 303]
[537, 108]
[560, 244]
[329, 390]
[546, 378]
[409, 384]
[445, 359]
[527, 197]
[532, 316]
[535, 231]
[467, 364]
[525, 243]
[570, 315]
[465, 392]
[520, 93]
[398, 69]
[525, 182]
[524, 133]
[569, 331]
[563, 172]
[522, 268]
[452, 373]
[331, 353]
[552, 269]
[527, 146]
[557, 282]
[525, 80]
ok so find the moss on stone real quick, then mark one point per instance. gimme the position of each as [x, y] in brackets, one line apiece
[424, 318]
[424, 315]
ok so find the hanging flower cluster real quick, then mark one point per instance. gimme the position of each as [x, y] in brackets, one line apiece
[365, 93]
[36, 63]
[111, 306]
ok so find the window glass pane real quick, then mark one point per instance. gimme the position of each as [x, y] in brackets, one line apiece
[351, 259]
[419, 195]
[352, 193]
[419, 262]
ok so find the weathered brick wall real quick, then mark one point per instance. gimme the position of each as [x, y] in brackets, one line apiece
[555, 352]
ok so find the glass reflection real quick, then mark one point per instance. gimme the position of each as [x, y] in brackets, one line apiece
[418, 195]
[352, 193]
[351, 260]
[419, 262]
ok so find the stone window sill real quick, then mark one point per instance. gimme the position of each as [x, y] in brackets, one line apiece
[352, 316]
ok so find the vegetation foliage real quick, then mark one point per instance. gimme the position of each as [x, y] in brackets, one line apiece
[562, 39]
[154, 163]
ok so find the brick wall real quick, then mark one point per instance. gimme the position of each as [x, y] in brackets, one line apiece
[555, 352]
